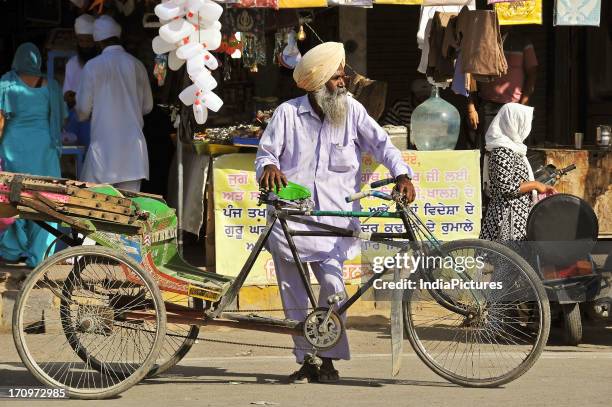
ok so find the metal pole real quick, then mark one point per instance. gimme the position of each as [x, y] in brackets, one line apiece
[179, 209]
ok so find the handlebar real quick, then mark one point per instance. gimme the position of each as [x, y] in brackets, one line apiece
[360, 195]
[378, 194]
[567, 169]
[550, 174]
[382, 182]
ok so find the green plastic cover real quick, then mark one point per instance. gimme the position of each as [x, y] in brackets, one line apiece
[154, 207]
[293, 192]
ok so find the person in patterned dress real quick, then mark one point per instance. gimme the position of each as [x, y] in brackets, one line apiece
[508, 176]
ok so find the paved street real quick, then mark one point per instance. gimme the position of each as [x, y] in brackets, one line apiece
[228, 375]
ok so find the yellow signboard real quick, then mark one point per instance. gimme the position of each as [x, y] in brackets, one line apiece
[399, 2]
[301, 3]
[448, 202]
[519, 12]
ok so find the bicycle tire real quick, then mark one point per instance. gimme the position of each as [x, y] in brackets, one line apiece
[572, 324]
[544, 318]
[185, 345]
[20, 334]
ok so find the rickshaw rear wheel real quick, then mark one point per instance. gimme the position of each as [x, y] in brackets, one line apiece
[179, 339]
[572, 324]
[178, 342]
[81, 342]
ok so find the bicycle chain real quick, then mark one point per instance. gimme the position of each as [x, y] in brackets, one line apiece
[228, 342]
[255, 345]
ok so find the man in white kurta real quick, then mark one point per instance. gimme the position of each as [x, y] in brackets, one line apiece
[317, 140]
[83, 28]
[115, 91]
[86, 50]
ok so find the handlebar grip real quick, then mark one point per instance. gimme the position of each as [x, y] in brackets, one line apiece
[569, 168]
[382, 182]
[382, 195]
[356, 196]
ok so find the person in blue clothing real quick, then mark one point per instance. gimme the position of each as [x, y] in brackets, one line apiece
[32, 112]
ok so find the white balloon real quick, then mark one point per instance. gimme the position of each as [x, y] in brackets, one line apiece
[188, 95]
[200, 112]
[211, 39]
[194, 5]
[204, 80]
[189, 50]
[176, 30]
[211, 25]
[161, 47]
[168, 11]
[195, 66]
[191, 38]
[211, 101]
[210, 12]
[210, 61]
[174, 62]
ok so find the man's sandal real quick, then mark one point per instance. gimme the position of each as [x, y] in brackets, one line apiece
[308, 373]
[328, 375]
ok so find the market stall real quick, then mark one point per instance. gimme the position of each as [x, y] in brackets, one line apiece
[225, 133]
[591, 181]
[260, 42]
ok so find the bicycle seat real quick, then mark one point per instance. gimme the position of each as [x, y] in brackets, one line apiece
[293, 192]
[293, 195]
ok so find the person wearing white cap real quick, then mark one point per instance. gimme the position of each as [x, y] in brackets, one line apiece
[86, 50]
[317, 140]
[116, 92]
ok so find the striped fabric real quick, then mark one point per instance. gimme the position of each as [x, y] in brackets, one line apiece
[399, 114]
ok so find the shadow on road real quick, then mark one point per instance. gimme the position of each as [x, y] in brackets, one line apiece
[194, 374]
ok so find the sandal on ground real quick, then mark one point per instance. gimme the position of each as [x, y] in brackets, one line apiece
[308, 373]
[328, 375]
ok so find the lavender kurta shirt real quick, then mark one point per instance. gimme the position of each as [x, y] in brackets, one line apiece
[326, 160]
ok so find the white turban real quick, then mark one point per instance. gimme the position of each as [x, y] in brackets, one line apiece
[318, 66]
[106, 27]
[84, 25]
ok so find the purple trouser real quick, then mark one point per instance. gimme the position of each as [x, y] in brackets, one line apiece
[295, 300]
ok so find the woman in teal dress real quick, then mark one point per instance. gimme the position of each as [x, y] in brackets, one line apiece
[33, 111]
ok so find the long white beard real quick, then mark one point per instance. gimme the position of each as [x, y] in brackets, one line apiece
[333, 104]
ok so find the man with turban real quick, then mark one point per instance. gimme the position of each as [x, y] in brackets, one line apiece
[116, 92]
[317, 140]
[86, 50]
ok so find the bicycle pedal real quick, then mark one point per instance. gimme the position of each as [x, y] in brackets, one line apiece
[336, 298]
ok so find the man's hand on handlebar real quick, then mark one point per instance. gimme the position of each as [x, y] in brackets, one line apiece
[272, 177]
[404, 187]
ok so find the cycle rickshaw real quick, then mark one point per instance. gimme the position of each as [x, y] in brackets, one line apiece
[95, 320]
